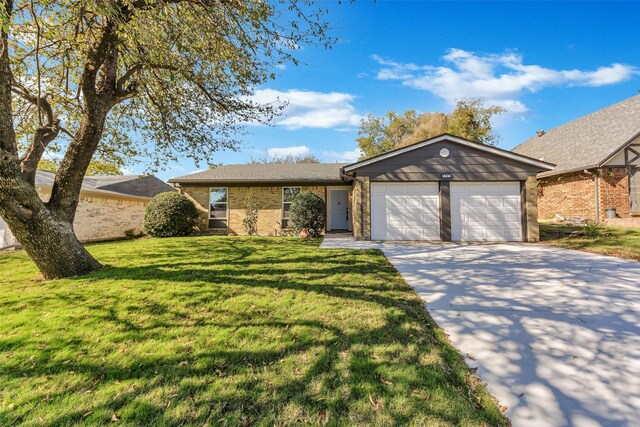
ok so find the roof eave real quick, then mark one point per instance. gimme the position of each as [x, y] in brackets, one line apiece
[253, 181]
[562, 172]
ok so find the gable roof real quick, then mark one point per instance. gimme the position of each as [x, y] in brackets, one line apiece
[260, 173]
[143, 186]
[588, 141]
[545, 166]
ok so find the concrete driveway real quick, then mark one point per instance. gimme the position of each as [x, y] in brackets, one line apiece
[555, 333]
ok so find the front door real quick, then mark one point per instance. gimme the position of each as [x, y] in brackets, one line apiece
[634, 190]
[339, 210]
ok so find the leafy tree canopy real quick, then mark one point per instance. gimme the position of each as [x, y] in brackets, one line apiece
[96, 167]
[127, 79]
[470, 119]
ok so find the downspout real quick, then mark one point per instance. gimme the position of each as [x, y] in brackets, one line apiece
[596, 180]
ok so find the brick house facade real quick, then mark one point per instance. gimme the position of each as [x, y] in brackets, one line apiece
[268, 198]
[597, 160]
[581, 194]
[445, 188]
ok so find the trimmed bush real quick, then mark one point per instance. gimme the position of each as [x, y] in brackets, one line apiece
[170, 214]
[307, 211]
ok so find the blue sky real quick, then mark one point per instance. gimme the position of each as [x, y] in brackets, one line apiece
[546, 62]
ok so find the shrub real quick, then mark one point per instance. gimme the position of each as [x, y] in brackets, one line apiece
[170, 214]
[592, 230]
[250, 221]
[307, 211]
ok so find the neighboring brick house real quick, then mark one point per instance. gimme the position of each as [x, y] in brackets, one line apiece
[109, 205]
[597, 161]
[445, 188]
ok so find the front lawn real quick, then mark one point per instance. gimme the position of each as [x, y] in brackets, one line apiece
[620, 242]
[227, 331]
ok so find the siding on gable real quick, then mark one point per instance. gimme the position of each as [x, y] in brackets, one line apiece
[465, 163]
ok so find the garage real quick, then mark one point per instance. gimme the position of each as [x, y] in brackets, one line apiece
[405, 211]
[446, 188]
[486, 211]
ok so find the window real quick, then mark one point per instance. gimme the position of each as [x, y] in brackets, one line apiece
[288, 194]
[218, 207]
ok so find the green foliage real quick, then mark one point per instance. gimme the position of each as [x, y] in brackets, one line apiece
[170, 214]
[308, 211]
[592, 230]
[96, 167]
[469, 120]
[250, 220]
[220, 331]
[179, 79]
[378, 135]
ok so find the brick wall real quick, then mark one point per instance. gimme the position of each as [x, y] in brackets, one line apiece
[361, 208]
[567, 195]
[268, 198]
[574, 194]
[614, 191]
[100, 218]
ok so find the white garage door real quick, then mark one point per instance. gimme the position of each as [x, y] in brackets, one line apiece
[405, 211]
[486, 211]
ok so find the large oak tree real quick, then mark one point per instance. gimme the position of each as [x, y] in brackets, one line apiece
[113, 79]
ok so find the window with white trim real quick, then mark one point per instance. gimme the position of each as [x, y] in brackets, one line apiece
[288, 194]
[218, 207]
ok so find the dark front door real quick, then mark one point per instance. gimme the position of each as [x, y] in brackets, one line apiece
[634, 190]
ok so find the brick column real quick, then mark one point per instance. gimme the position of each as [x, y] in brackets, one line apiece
[531, 197]
[366, 208]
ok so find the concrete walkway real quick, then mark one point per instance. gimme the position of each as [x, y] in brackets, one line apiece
[555, 333]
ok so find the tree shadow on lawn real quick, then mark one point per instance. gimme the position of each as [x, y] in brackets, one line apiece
[290, 338]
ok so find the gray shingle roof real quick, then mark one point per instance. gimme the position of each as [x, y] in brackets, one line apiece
[588, 141]
[249, 173]
[129, 185]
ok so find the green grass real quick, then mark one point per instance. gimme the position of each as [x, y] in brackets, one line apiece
[620, 242]
[227, 331]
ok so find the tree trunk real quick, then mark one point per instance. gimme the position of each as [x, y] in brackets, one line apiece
[53, 246]
[49, 241]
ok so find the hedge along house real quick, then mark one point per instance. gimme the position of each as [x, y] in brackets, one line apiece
[109, 206]
[597, 161]
[445, 188]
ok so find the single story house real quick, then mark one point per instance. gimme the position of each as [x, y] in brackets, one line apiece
[109, 205]
[445, 188]
[597, 160]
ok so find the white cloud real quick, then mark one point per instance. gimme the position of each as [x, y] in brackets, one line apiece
[127, 171]
[499, 78]
[301, 150]
[342, 156]
[309, 109]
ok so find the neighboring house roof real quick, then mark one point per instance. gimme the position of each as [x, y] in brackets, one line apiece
[589, 141]
[143, 186]
[544, 166]
[271, 172]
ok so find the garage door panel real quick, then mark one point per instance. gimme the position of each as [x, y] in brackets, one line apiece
[486, 211]
[405, 211]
